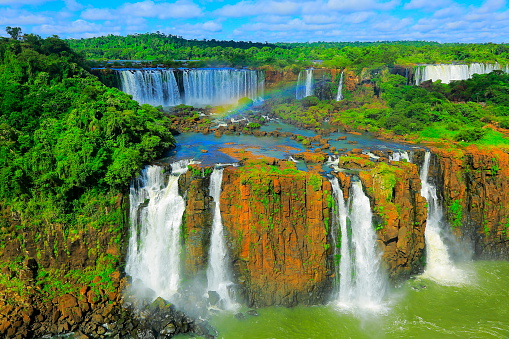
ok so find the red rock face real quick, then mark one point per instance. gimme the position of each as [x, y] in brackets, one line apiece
[475, 186]
[277, 221]
[400, 215]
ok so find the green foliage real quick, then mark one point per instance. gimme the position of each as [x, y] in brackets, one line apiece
[69, 147]
[470, 135]
[253, 125]
[456, 210]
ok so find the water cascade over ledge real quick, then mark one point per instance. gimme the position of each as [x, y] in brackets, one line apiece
[304, 84]
[439, 266]
[448, 73]
[363, 283]
[196, 87]
[339, 96]
[156, 211]
[218, 272]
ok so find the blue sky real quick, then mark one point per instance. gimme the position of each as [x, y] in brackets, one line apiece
[266, 20]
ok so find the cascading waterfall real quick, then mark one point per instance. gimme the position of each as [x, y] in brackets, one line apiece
[156, 210]
[304, 86]
[399, 156]
[343, 255]
[200, 86]
[362, 281]
[154, 87]
[339, 96]
[439, 266]
[218, 272]
[448, 73]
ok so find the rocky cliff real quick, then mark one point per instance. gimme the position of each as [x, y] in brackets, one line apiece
[277, 220]
[474, 183]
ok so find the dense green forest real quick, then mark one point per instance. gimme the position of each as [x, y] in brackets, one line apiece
[63, 133]
[69, 147]
[167, 48]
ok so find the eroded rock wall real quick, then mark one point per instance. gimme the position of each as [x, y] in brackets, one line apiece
[475, 185]
[277, 222]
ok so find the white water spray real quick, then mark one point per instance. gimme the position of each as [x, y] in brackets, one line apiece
[439, 266]
[363, 283]
[156, 215]
[304, 86]
[218, 272]
[339, 96]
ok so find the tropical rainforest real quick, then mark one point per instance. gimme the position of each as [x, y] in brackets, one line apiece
[70, 145]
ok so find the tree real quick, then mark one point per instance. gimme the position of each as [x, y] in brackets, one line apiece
[14, 32]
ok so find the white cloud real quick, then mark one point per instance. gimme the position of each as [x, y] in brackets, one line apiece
[362, 5]
[253, 8]
[491, 6]
[391, 24]
[359, 17]
[21, 17]
[73, 5]
[427, 4]
[23, 2]
[162, 10]
[97, 14]
[78, 26]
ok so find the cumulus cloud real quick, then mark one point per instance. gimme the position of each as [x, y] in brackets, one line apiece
[21, 17]
[73, 5]
[23, 2]
[362, 5]
[253, 8]
[78, 26]
[427, 4]
[162, 10]
[490, 6]
[97, 14]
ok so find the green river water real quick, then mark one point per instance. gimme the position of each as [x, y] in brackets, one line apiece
[420, 308]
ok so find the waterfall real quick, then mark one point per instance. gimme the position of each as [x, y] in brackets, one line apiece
[339, 96]
[439, 266]
[200, 87]
[341, 242]
[154, 87]
[304, 86]
[362, 281]
[218, 272]
[156, 210]
[448, 73]
[399, 156]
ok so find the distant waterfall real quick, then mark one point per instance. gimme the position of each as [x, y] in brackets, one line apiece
[439, 266]
[154, 87]
[304, 84]
[448, 73]
[156, 211]
[200, 87]
[218, 271]
[362, 281]
[339, 96]
[399, 156]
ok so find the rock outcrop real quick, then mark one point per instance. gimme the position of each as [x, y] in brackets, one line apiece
[475, 185]
[277, 220]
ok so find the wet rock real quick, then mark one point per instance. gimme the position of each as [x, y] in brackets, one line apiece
[240, 316]
[214, 298]
[252, 313]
